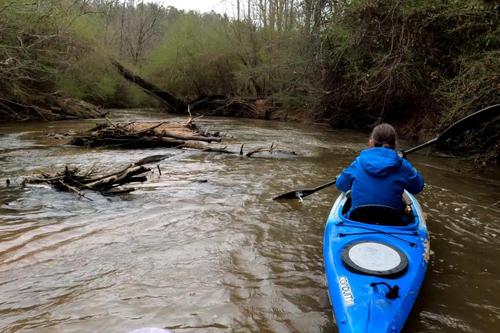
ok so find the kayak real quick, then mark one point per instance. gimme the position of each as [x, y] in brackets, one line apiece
[374, 270]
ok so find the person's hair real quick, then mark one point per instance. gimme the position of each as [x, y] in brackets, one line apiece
[384, 135]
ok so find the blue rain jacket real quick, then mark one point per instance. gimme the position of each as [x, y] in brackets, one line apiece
[378, 176]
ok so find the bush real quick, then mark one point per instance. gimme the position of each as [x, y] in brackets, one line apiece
[394, 61]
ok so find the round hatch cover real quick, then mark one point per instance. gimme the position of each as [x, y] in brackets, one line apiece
[374, 258]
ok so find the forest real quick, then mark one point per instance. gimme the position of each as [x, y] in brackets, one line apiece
[419, 64]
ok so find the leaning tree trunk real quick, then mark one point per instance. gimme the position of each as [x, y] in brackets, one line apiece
[174, 104]
[214, 105]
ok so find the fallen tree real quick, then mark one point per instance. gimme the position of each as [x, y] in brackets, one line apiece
[215, 105]
[171, 102]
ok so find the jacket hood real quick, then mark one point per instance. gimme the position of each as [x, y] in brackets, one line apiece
[379, 161]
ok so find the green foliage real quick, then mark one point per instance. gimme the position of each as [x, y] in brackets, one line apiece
[397, 60]
[92, 78]
[88, 28]
[89, 77]
[208, 54]
[476, 85]
[195, 56]
[32, 49]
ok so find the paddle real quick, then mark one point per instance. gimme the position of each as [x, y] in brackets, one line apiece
[460, 126]
[468, 122]
[299, 194]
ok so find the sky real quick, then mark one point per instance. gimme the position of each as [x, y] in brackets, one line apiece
[219, 6]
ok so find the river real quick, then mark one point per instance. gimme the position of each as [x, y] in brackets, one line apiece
[203, 248]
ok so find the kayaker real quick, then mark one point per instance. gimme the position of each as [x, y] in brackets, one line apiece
[379, 176]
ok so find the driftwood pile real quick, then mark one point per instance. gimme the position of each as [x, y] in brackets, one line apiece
[184, 135]
[76, 180]
[145, 135]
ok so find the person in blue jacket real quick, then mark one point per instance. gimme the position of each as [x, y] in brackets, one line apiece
[379, 176]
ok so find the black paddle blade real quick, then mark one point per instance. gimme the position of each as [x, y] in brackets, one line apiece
[471, 121]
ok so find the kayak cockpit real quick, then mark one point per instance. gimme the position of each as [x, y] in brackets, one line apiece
[378, 214]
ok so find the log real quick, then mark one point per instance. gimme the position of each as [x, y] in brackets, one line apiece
[195, 145]
[190, 137]
[116, 179]
[170, 101]
[126, 142]
[214, 105]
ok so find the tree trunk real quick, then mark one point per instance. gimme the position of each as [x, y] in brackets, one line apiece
[238, 10]
[173, 103]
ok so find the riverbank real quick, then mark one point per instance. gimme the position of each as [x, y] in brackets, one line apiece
[49, 108]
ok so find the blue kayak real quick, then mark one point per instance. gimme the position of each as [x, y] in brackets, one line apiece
[374, 270]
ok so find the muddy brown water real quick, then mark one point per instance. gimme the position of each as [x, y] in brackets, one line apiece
[203, 248]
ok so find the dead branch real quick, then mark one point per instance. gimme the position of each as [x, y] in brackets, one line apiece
[260, 149]
[75, 180]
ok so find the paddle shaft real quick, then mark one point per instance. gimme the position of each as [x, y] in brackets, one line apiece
[325, 185]
[423, 145]
[299, 194]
